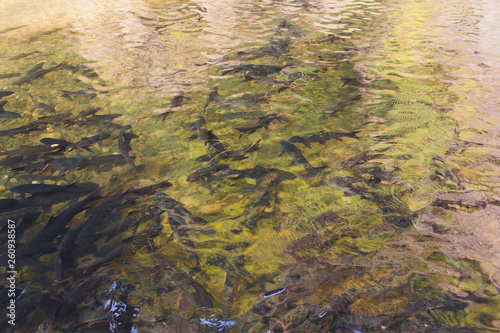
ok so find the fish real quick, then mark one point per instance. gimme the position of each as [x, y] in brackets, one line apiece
[64, 164]
[5, 93]
[9, 75]
[234, 271]
[322, 137]
[25, 217]
[260, 174]
[175, 103]
[263, 122]
[42, 106]
[52, 198]
[17, 214]
[31, 248]
[193, 291]
[257, 210]
[106, 162]
[331, 112]
[86, 142]
[129, 196]
[177, 212]
[79, 93]
[253, 70]
[38, 151]
[55, 226]
[75, 297]
[64, 255]
[43, 188]
[23, 55]
[9, 115]
[124, 145]
[213, 96]
[6, 203]
[132, 221]
[36, 68]
[37, 74]
[209, 171]
[132, 243]
[362, 157]
[297, 157]
[32, 127]
[211, 142]
[59, 143]
[94, 120]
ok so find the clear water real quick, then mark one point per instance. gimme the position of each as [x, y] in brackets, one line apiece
[404, 238]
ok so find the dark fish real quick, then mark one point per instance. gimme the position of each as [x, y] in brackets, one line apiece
[257, 210]
[75, 297]
[261, 174]
[63, 144]
[176, 211]
[124, 145]
[17, 215]
[231, 282]
[263, 122]
[322, 137]
[254, 70]
[132, 221]
[298, 158]
[94, 120]
[9, 75]
[211, 142]
[185, 283]
[85, 143]
[213, 96]
[65, 163]
[209, 171]
[5, 204]
[340, 106]
[32, 127]
[23, 55]
[37, 151]
[132, 243]
[24, 218]
[37, 74]
[64, 254]
[49, 199]
[43, 188]
[55, 226]
[106, 162]
[5, 93]
[42, 106]
[126, 197]
[9, 115]
[31, 248]
[27, 305]
[361, 158]
[376, 172]
[79, 93]
[175, 103]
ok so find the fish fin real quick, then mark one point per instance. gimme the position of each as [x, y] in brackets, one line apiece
[322, 142]
[353, 134]
[88, 149]
[281, 153]
[310, 174]
[307, 144]
[292, 162]
[114, 212]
